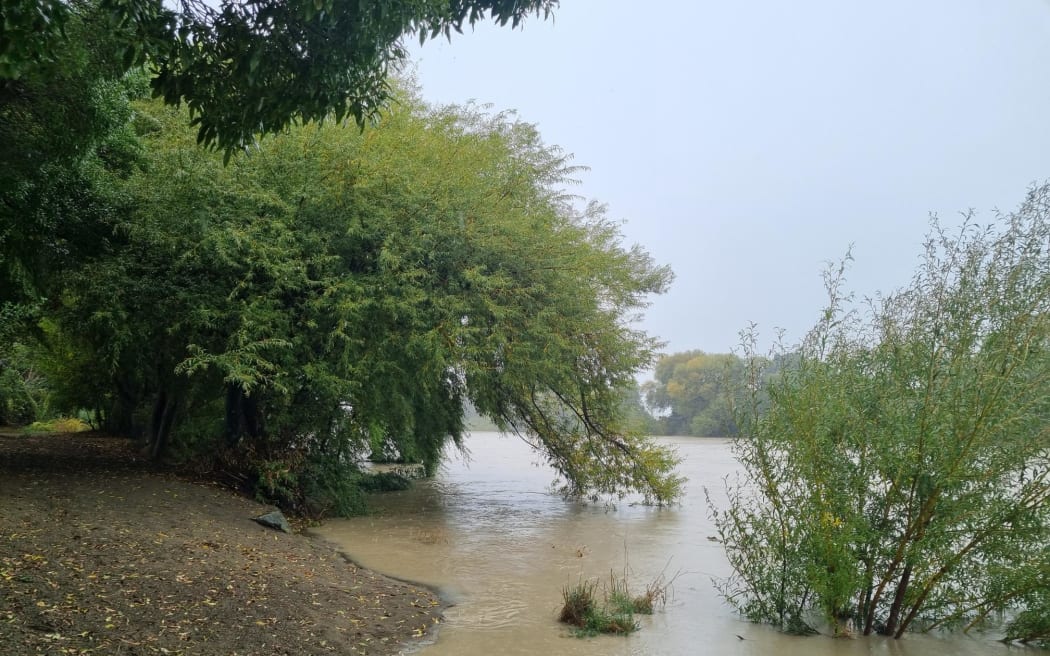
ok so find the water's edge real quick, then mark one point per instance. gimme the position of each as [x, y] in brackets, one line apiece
[431, 635]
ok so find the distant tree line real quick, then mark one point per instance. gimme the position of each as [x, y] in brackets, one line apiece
[689, 394]
[697, 393]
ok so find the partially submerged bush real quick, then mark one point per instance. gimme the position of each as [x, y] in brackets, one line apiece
[583, 610]
[655, 594]
[895, 476]
[580, 602]
[383, 482]
[309, 487]
[614, 612]
[331, 489]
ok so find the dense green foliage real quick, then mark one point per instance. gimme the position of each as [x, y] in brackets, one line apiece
[61, 124]
[332, 294]
[249, 67]
[691, 393]
[899, 477]
[64, 126]
[338, 293]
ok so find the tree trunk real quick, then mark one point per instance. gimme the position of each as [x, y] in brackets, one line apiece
[120, 416]
[898, 602]
[243, 417]
[233, 415]
[863, 606]
[163, 418]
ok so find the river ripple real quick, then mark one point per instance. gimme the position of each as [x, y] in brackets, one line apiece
[490, 537]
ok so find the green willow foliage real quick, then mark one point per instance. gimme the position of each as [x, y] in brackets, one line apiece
[898, 476]
[338, 292]
[245, 68]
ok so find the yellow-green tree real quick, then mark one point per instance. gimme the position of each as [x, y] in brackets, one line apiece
[691, 393]
[337, 292]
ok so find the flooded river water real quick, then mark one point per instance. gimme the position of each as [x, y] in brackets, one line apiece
[487, 533]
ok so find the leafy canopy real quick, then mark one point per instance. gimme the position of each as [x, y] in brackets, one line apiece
[338, 293]
[245, 68]
[900, 476]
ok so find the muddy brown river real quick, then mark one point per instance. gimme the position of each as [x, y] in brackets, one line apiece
[488, 534]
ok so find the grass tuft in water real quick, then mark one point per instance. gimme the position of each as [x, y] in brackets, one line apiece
[655, 594]
[614, 612]
[579, 601]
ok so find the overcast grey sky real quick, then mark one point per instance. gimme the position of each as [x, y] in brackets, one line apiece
[747, 142]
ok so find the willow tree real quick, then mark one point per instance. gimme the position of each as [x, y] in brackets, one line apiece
[338, 292]
[245, 68]
[899, 478]
[242, 68]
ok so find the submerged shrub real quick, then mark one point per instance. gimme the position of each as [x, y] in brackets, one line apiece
[614, 612]
[583, 610]
[579, 603]
[383, 482]
[895, 477]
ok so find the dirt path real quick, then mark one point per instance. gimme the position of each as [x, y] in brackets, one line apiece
[100, 554]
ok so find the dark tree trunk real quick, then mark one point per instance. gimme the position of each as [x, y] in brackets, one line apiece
[863, 607]
[252, 418]
[233, 415]
[120, 415]
[898, 602]
[160, 426]
[243, 417]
